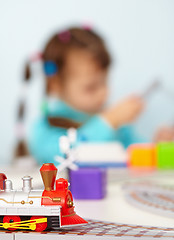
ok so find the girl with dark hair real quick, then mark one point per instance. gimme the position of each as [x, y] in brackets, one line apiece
[76, 64]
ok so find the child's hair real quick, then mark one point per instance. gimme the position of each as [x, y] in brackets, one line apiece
[56, 50]
[54, 62]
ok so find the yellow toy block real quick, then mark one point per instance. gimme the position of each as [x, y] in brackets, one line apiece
[142, 155]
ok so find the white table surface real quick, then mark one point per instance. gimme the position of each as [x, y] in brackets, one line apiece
[114, 207]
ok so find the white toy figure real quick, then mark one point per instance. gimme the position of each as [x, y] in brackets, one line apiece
[67, 147]
[72, 136]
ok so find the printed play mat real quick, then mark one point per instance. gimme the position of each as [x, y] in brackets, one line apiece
[98, 230]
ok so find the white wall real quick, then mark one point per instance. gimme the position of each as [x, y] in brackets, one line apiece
[139, 34]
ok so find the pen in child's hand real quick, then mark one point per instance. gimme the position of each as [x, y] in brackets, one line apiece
[152, 87]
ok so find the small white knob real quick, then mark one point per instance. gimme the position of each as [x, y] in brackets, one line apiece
[64, 144]
[27, 184]
[8, 185]
[72, 135]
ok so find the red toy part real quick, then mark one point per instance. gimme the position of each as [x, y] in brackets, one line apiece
[62, 197]
[11, 219]
[39, 226]
[73, 219]
[48, 167]
[48, 172]
[2, 179]
[61, 184]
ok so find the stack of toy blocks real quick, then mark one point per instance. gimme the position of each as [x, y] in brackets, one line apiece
[165, 155]
[88, 183]
[142, 155]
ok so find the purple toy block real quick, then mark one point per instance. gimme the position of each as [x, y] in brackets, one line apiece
[88, 183]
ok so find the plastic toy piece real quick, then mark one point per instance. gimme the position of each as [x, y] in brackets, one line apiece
[72, 136]
[67, 147]
[165, 152]
[88, 183]
[101, 155]
[2, 180]
[13, 222]
[142, 155]
[38, 210]
[157, 198]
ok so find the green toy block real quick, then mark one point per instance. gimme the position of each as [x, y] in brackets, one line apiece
[165, 153]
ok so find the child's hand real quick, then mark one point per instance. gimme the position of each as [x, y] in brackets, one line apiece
[164, 134]
[125, 111]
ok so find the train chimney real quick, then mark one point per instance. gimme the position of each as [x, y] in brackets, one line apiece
[48, 172]
[27, 183]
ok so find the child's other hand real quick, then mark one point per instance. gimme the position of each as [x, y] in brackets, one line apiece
[125, 111]
[164, 134]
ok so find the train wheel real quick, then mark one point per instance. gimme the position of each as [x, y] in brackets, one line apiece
[10, 219]
[39, 226]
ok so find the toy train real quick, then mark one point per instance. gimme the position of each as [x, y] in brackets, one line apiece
[37, 210]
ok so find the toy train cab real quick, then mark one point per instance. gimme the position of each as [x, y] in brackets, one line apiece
[37, 210]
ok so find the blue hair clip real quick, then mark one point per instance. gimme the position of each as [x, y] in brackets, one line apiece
[50, 68]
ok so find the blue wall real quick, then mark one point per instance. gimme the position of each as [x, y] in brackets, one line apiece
[139, 34]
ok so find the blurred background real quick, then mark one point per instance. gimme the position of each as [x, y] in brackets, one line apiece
[140, 37]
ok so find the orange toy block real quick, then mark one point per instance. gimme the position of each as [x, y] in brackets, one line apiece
[142, 155]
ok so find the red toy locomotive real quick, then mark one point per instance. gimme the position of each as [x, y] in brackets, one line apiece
[38, 210]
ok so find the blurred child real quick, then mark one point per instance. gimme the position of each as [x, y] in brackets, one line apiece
[76, 65]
